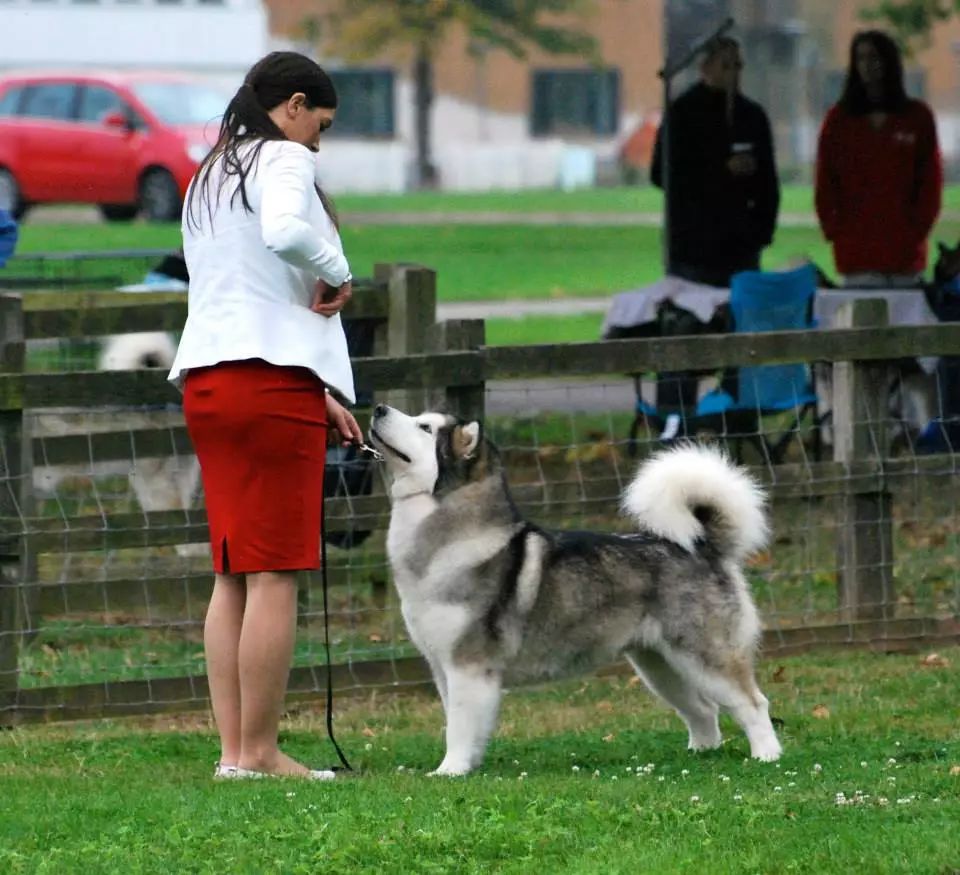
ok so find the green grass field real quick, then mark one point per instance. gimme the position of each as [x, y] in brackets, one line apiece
[583, 777]
[489, 263]
[624, 199]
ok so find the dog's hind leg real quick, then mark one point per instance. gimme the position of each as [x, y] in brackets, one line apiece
[698, 712]
[473, 699]
[734, 688]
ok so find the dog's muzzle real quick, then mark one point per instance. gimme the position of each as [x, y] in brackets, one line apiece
[375, 436]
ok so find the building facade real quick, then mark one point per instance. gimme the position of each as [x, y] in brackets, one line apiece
[497, 121]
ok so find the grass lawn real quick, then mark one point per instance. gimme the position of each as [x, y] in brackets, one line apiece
[583, 777]
[623, 199]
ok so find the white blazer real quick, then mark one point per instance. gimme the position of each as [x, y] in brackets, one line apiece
[252, 275]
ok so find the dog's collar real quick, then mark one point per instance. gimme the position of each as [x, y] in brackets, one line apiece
[376, 436]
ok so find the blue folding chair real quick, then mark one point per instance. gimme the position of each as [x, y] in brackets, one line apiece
[764, 301]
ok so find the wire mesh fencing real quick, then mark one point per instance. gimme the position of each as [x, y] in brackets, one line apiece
[103, 610]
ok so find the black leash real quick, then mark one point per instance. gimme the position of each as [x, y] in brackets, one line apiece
[326, 637]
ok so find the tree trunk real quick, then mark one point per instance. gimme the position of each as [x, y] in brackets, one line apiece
[426, 176]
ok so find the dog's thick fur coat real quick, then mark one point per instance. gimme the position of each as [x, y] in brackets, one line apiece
[490, 598]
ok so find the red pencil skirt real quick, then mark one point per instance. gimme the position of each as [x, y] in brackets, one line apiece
[260, 434]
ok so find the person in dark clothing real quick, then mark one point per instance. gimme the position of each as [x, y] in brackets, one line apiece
[723, 190]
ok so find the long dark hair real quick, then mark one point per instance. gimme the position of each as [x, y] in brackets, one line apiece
[854, 98]
[270, 82]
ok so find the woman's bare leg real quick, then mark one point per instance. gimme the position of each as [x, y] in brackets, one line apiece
[266, 651]
[221, 641]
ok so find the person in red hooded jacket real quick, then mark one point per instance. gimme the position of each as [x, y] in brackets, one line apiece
[879, 173]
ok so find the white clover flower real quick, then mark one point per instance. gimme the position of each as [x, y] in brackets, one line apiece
[368, 746]
[613, 778]
[737, 797]
[662, 778]
[863, 763]
[792, 784]
[291, 794]
[684, 772]
[817, 767]
[725, 779]
[891, 762]
[596, 773]
[778, 789]
[694, 799]
[401, 768]
[882, 800]
[522, 776]
[576, 768]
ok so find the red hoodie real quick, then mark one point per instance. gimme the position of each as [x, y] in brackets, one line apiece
[878, 190]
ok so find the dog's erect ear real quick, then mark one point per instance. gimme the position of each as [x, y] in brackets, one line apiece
[466, 439]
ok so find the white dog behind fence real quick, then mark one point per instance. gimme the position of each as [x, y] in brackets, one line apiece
[168, 482]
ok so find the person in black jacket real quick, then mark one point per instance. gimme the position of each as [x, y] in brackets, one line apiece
[723, 188]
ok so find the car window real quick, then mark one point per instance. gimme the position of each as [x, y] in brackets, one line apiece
[183, 103]
[96, 101]
[54, 100]
[10, 101]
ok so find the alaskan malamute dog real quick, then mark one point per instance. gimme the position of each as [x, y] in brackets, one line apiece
[491, 599]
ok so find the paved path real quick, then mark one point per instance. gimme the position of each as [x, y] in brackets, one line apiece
[81, 215]
[520, 308]
[531, 397]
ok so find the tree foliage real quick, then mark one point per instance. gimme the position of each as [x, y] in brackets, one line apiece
[362, 28]
[911, 21]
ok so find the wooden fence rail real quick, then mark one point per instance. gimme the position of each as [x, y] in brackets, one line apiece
[446, 363]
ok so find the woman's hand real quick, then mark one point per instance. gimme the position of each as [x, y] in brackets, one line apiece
[341, 419]
[328, 300]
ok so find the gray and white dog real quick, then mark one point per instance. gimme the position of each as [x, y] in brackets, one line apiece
[491, 599]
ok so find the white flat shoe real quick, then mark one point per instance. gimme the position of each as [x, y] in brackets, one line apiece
[312, 775]
[222, 772]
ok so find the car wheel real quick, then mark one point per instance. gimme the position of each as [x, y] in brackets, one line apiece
[118, 212]
[159, 196]
[10, 199]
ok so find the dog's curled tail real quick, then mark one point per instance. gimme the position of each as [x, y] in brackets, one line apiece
[693, 492]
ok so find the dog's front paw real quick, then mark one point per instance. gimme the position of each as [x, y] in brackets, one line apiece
[451, 769]
[767, 751]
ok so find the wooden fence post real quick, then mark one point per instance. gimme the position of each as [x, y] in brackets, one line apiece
[412, 292]
[16, 501]
[467, 402]
[865, 541]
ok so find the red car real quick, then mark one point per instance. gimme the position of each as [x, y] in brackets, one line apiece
[129, 142]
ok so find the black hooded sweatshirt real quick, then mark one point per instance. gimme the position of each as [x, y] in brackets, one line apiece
[718, 221]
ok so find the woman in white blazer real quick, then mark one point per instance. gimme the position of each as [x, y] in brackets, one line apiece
[262, 363]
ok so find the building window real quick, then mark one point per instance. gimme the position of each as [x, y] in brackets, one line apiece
[365, 103]
[575, 102]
